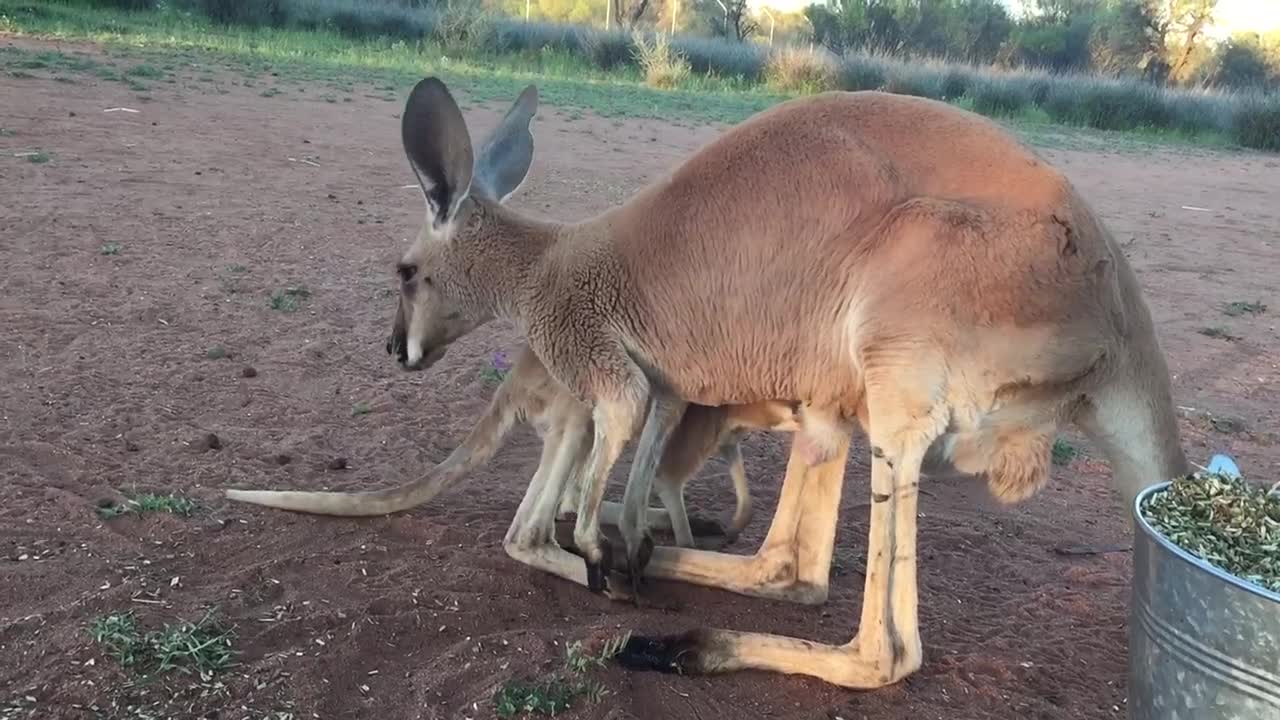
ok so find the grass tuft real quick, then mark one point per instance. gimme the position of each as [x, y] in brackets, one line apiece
[202, 648]
[795, 70]
[558, 692]
[150, 503]
[664, 67]
[1238, 308]
[1063, 452]
[289, 299]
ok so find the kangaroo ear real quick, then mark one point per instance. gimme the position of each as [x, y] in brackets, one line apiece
[438, 146]
[504, 160]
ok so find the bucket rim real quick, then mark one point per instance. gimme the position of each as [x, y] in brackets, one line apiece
[1185, 556]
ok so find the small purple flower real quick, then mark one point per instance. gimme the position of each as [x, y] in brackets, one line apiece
[500, 361]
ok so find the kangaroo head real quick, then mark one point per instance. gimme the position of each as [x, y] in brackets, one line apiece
[439, 302]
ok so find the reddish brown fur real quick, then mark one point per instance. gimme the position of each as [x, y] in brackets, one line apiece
[864, 254]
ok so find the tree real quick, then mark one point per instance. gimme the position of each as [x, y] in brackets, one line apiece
[1187, 19]
[1242, 63]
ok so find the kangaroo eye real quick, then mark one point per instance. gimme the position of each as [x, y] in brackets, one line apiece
[426, 279]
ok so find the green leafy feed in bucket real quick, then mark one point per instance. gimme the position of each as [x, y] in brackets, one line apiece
[1223, 520]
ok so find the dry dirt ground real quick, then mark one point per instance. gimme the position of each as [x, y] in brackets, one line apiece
[150, 239]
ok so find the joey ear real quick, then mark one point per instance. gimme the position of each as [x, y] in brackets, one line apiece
[503, 163]
[438, 146]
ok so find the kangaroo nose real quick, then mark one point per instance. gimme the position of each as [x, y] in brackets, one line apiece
[406, 271]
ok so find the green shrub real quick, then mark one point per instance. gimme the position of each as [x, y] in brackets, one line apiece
[801, 71]
[860, 72]
[126, 5]
[1107, 104]
[1257, 122]
[1000, 95]
[725, 58]
[253, 13]
[1193, 112]
[607, 50]
[465, 28]
[913, 79]
[956, 82]
[507, 35]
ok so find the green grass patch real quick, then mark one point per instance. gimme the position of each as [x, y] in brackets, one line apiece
[289, 299]
[561, 690]
[360, 409]
[202, 648]
[1063, 452]
[149, 503]
[1238, 308]
[38, 157]
[111, 248]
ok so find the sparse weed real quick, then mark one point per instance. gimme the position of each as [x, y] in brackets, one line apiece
[360, 409]
[289, 299]
[558, 692]
[1063, 452]
[150, 503]
[1218, 333]
[1238, 308]
[111, 248]
[38, 157]
[202, 648]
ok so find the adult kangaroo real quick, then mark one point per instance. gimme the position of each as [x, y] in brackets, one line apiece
[880, 257]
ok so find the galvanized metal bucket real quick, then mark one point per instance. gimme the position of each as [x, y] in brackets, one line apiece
[1203, 644]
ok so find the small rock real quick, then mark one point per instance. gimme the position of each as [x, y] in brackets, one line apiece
[131, 446]
[359, 202]
[73, 113]
[249, 372]
[210, 442]
[199, 173]
[283, 459]
[338, 463]
[332, 196]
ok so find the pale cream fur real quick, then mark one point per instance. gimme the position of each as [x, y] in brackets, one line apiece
[882, 257]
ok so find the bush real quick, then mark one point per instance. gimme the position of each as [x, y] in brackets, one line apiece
[956, 82]
[1000, 95]
[607, 50]
[1107, 104]
[465, 28]
[725, 58]
[860, 72]
[801, 71]
[1195, 112]
[663, 66]
[367, 20]
[506, 35]
[1257, 122]
[253, 13]
[126, 5]
[912, 79]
